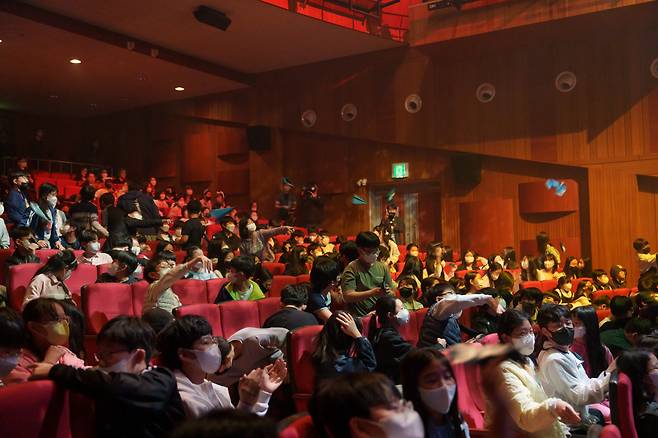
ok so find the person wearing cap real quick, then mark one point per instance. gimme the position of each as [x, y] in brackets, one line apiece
[286, 202]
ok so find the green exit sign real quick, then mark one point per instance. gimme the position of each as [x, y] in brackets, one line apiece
[400, 170]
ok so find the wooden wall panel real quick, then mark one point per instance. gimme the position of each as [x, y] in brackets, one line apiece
[535, 198]
[486, 226]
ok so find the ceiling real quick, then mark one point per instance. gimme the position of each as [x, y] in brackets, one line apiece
[262, 37]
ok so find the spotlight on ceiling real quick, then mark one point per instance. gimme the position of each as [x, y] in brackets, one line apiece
[212, 17]
[179, 88]
[75, 61]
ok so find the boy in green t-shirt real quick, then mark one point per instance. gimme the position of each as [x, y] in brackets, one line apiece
[240, 285]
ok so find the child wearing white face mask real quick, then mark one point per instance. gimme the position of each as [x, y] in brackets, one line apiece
[188, 348]
[548, 269]
[642, 369]
[429, 383]
[515, 396]
[383, 334]
[92, 249]
[49, 280]
[364, 405]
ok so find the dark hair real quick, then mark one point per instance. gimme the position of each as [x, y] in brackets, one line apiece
[106, 200]
[62, 260]
[542, 241]
[335, 403]
[189, 253]
[640, 244]
[432, 259]
[331, 341]
[469, 277]
[46, 189]
[411, 245]
[533, 293]
[436, 291]
[411, 368]
[384, 306]
[563, 280]
[552, 313]
[17, 174]
[38, 310]
[597, 273]
[426, 283]
[244, 264]
[635, 364]
[227, 423]
[367, 240]
[294, 264]
[129, 331]
[595, 350]
[242, 227]
[349, 250]
[152, 265]
[87, 193]
[324, 271]
[162, 244]
[12, 329]
[641, 326]
[87, 236]
[157, 318]
[620, 306]
[21, 233]
[182, 333]
[126, 258]
[194, 206]
[412, 266]
[295, 295]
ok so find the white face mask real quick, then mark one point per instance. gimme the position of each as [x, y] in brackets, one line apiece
[198, 266]
[438, 399]
[2, 208]
[162, 272]
[549, 264]
[230, 228]
[251, 227]
[209, 360]
[525, 344]
[7, 364]
[402, 317]
[369, 258]
[579, 332]
[135, 250]
[52, 201]
[93, 247]
[469, 260]
[404, 423]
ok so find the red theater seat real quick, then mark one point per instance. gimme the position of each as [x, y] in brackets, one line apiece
[191, 291]
[4, 255]
[301, 344]
[45, 254]
[104, 301]
[574, 282]
[34, 409]
[102, 269]
[81, 276]
[236, 315]
[18, 278]
[180, 256]
[410, 330]
[213, 287]
[267, 307]
[610, 431]
[274, 268]
[621, 404]
[603, 314]
[139, 293]
[527, 284]
[467, 405]
[547, 285]
[209, 311]
[301, 426]
[624, 292]
[279, 282]
[213, 229]
[304, 278]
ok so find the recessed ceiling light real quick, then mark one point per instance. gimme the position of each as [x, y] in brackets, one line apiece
[75, 61]
[54, 96]
[0, 41]
[179, 88]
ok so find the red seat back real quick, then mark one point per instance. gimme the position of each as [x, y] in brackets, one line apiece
[267, 307]
[209, 311]
[547, 285]
[213, 287]
[139, 293]
[410, 330]
[300, 427]
[610, 431]
[527, 284]
[491, 338]
[213, 229]
[236, 315]
[45, 254]
[104, 301]
[191, 291]
[420, 317]
[81, 276]
[304, 278]
[301, 344]
[34, 409]
[279, 282]
[575, 281]
[467, 405]
[4, 255]
[102, 269]
[621, 405]
[18, 279]
[180, 256]
[603, 314]
[274, 268]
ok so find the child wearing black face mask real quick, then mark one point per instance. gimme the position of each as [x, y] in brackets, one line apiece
[409, 293]
[561, 372]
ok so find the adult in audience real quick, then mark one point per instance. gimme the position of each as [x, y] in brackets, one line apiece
[390, 348]
[645, 258]
[425, 287]
[161, 276]
[240, 286]
[286, 203]
[228, 423]
[254, 242]
[17, 203]
[85, 212]
[621, 311]
[386, 240]
[48, 282]
[529, 300]
[618, 277]
[13, 338]
[333, 356]
[468, 261]
[365, 279]
[92, 249]
[642, 369]
[600, 280]
[132, 399]
[413, 268]
[188, 348]
[434, 263]
[47, 222]
[107, 187]
[428, 382]
[515, 392]
[121, 270]
[48, 338]
[292, 316]
[229, 234]
[409, 293]
[561, 372]
[250, 348]
[193, 230]
[325, 281]
[199, 271]
[548, 270]
[4, 233]
[544, 247]
[622, 339]
[570, 269]
[587, 341]
[147, 206]
[296, 262]
[69, 237]
[26, 246]
[441, 320]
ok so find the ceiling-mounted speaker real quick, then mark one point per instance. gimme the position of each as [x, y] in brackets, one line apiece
[309, 117]
[485, 92]
[212, 17]
[565, 81]
[259, 138]
[654, 68]
[348, 112]
[413, 103]
[466, 169]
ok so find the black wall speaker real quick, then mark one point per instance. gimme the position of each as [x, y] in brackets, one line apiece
[212, 17]
[259, 138]
[467, 169]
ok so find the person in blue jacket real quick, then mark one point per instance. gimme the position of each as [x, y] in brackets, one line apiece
[17, 203]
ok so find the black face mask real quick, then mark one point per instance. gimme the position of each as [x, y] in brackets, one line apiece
[564, 336]
[406, 292]
[24, 186]
[529, 308]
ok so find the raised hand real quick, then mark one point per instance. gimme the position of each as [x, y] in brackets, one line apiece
[348, 325]
[249, 386]
[273, 376]
[566, 413]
